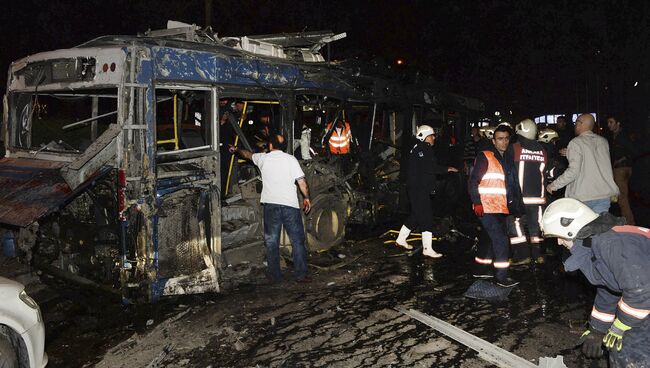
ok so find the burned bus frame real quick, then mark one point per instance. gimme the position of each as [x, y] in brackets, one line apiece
[133, 210]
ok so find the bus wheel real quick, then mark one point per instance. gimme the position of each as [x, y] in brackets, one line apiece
[325, 223]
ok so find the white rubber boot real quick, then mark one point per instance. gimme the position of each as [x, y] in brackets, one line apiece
[427, 250]
[404, 233]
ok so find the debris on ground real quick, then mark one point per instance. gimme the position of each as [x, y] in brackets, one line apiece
[482, 289]
[487, 351]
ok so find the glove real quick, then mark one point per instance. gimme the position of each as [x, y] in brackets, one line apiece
[614, 337]
[478, 209]
[592, 343]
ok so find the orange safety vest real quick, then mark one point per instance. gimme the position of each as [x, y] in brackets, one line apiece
[492, 188]
[340, 144]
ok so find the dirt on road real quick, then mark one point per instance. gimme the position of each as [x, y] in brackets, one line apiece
[345, 318]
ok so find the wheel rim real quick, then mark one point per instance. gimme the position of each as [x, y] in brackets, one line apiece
[327, 225]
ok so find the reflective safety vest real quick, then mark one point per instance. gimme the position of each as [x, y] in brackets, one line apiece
[492, 188]
[340, 144]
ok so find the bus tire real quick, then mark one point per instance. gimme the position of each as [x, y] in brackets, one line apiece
[325, 223]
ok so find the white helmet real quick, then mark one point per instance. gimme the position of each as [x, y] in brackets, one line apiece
[487, 132]
[505, 123]
[565, 217]
[423, 132]
[547, 135]
[527, 129]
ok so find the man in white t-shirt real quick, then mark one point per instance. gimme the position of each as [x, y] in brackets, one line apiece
[280, 173]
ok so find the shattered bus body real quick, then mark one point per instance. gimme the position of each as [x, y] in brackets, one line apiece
[116, 172]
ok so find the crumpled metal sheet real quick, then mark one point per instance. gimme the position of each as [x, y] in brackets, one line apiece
[241, 223]
[486, 290]
[29, 189]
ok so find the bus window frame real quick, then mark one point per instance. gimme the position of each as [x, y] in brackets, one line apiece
[210, 148]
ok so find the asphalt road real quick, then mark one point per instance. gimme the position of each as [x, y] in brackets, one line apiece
[346, 317]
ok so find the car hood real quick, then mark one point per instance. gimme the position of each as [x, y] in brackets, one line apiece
[10, 286]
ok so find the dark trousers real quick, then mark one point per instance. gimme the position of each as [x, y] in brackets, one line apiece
[275, 216]
[526, 231]
[494, 249]
[421, 216]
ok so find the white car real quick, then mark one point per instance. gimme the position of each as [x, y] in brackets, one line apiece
[22, 333]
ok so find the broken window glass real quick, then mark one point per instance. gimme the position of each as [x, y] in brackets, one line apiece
[62, 121]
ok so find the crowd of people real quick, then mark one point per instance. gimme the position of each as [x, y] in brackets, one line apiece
[514, 186]
[525, 185]
[528, 185]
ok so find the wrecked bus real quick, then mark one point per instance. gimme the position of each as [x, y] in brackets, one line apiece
[115, 171]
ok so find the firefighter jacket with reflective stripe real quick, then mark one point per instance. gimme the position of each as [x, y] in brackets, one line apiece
[339, 143]
[617, 263]
[488, 183]
[422, 168]
[530, 163]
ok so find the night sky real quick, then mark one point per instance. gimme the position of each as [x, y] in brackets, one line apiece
[530, 57]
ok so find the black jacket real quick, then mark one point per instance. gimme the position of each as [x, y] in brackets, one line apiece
[423, 167]
[621, 149]
[531, 160]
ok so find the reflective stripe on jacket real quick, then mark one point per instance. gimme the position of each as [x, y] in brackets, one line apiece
[492, 187]
[617, 262]
[530, 162]
[340, 144]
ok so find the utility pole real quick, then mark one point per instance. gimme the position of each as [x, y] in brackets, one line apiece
[208, 13]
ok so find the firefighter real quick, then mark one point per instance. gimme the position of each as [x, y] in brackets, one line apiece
[486, 133]
[547, 135]
[422, 169]
[530, 160]
[615, 259]
[549, 138]
[491, 186]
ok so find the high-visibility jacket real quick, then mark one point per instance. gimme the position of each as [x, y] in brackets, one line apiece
[339, 144]
[617, 261]
[492, 186]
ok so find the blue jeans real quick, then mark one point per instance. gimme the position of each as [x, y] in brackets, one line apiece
[598, 205]
[276, 215]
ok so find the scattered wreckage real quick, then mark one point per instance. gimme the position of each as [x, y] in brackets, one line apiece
[116, 172]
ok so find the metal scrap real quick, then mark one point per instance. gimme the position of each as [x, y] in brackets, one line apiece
[155, 363]
[486, 350]
[333, 267]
